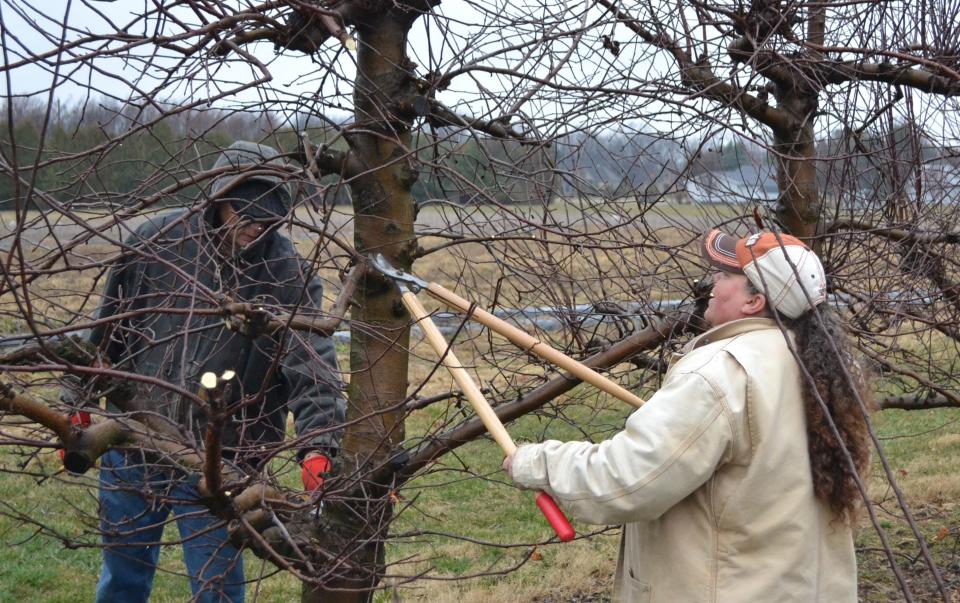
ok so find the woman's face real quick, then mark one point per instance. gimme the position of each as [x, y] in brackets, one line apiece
[731, 299]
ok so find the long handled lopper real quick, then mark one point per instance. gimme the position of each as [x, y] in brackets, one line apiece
[410, 285]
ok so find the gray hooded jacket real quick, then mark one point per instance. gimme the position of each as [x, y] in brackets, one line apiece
[174, 262]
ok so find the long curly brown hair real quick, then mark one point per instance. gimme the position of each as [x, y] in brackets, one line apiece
[825, 352]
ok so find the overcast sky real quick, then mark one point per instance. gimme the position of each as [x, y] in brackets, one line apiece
[457, 36]
[320, 84]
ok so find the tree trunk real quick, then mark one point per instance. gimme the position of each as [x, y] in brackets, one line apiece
[798, 208]
[799, 205]
[384, 211]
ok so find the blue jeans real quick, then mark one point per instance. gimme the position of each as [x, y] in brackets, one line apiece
[132, 528]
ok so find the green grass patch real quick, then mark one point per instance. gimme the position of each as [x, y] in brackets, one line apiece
[922, 449]
[467, 535]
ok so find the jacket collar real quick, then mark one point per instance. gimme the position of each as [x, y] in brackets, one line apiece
[731, 329]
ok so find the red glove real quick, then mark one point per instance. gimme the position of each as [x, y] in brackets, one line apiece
[81, 418]
[314, 468]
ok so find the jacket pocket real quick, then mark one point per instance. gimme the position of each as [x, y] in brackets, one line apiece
[634, 590]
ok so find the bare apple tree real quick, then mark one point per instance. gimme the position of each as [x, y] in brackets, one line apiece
[552, 162]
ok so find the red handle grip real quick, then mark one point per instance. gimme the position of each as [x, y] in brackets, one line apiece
[555, 516]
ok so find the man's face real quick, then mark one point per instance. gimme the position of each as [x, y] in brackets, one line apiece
[731, 299]
[239, 231]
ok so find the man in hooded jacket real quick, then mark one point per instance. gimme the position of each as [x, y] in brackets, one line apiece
[179, 262]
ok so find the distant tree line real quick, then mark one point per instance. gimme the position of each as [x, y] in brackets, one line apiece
[894, 164]
[53, 155]
[134, 152]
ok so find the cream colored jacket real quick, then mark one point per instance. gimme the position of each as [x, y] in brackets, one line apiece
[712, 480]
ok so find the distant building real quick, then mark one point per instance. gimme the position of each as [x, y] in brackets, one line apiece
[940, 183]
[747, 183]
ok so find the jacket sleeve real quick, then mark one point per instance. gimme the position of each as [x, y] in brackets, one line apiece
[109, 336]
[116, 293]
[670, 447]
[311, 380]
[104, 336]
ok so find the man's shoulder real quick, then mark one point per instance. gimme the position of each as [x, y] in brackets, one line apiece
[174, 223]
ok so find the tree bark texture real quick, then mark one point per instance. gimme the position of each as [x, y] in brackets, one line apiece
[798, 207]
[384, 211]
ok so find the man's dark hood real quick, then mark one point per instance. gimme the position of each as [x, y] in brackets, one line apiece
[259, 201]
[254, 163]
[253, 190]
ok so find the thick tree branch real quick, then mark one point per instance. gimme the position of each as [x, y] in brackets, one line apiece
[930, 387]
[260, 34]
[440, 116]
[306, 30]
[921, 401]
[916, 257]
[658, 332]
[36, 411]
[418, 403]
[769, 64]
[74, 350]
[323, 161]
[252, 319]
[243, 317]
[82, 448]
[896, 234]
[841, 72]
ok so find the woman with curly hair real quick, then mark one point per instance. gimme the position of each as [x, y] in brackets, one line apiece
[836, 395]
[739, 479]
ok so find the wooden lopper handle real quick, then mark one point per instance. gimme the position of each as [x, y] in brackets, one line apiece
[480, 405]
[527, 342]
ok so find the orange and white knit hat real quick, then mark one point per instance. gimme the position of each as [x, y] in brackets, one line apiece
[786, 270]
